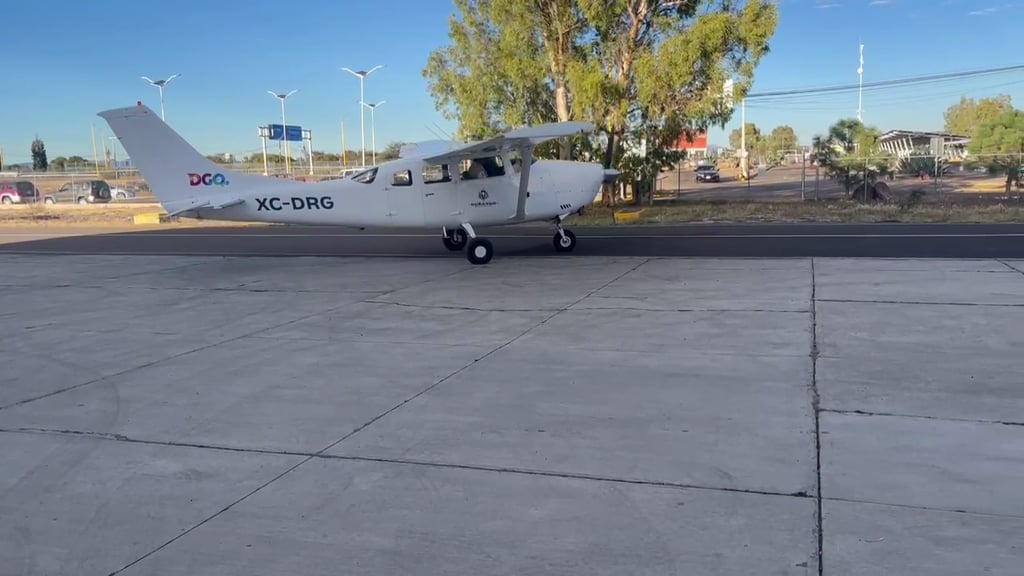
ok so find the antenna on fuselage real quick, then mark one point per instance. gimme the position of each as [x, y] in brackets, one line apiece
[446, 134]
[432, 131]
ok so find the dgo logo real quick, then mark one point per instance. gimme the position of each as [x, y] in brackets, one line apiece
[207, 179]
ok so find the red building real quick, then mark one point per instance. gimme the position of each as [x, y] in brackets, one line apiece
[695, 143]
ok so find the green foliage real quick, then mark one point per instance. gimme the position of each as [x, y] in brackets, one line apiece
[769, 148]
[516, 62]
[390, 152]
[967, 115]
[851, 154]
[39, 162]
[914, 165]
[999, 146]
[736, 136]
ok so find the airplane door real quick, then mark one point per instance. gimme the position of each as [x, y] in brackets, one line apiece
[440, 205]
[403, 198]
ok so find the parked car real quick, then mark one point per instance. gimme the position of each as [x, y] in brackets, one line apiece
[81, 192]
[122, 192]
[708, 173]
[18, 192]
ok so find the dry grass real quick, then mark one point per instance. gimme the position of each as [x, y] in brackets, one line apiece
[738, 211]
[75, 215]
[825, 212]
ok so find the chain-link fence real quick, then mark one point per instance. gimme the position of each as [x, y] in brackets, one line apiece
[805, 175]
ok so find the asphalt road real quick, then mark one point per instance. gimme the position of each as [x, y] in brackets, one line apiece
[716, 240]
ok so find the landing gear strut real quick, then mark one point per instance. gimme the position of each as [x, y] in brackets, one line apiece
[455, 240]
[564, 240]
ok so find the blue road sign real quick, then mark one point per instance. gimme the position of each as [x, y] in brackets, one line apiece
[293, 133]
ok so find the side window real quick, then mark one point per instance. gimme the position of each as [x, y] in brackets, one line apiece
[436, 173]
[482, 167]
[402, 178]
[366, 176]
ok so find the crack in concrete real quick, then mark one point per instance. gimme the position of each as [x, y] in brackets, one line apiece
[456, 307]
[478, 468]
[912, 302]
[925, 508]
[816, 406]
[409, 462]
[1010, 266]
[573, 308]
[921, 417]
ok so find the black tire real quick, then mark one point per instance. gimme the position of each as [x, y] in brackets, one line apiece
[456, 240]
[479, 251]
[567, 244]
[7, 200]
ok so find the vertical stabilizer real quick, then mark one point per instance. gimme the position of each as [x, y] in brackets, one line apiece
[177, 173]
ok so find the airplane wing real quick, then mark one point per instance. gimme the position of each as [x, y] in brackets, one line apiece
[522, 139]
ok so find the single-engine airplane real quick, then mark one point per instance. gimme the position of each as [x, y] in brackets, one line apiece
[448, 186]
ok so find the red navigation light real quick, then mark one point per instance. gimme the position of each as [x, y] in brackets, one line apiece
[138, 103]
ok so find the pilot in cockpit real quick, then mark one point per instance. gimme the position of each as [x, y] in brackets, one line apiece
[475, 171]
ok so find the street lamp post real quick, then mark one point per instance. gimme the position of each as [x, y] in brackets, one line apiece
[373, 128]
[160, 84]
[284, 130]
[362, 74]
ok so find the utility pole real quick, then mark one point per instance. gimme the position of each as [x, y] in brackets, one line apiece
[743, 139]
[860, 86]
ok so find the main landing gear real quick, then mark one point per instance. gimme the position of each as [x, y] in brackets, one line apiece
[480, 250]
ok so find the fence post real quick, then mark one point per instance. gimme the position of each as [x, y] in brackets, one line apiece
[803, 175]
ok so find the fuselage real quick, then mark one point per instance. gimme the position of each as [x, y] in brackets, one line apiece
[412, 193]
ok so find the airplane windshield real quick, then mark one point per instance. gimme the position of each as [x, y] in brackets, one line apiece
[366, 176]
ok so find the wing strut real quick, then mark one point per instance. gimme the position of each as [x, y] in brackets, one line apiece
[526, 153]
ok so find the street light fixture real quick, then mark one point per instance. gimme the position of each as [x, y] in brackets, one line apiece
[284, 130]
[160, 84]
[362, 74]
[373, 128]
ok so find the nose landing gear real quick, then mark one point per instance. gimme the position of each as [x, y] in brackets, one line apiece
[564, 240]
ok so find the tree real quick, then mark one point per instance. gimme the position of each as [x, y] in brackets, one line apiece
[999, 145]
[966, 116]
[752, 136]
[852, 154]
[39, 162]
[638, 69]
[783, 139]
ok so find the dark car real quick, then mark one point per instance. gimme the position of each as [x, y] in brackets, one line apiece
[18, 192]
[708, 173]
[81, 192]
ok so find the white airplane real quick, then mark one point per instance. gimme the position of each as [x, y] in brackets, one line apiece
[449, 186]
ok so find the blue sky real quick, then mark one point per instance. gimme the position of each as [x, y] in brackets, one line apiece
[73, 59]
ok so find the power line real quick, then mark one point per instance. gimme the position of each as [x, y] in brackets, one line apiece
[886, 83]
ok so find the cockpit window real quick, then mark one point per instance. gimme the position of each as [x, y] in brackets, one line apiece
[436, 173]
[366, 176]
[482, 167]
[402, 178]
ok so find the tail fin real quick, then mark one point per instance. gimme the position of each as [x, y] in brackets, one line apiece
[175, 171]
